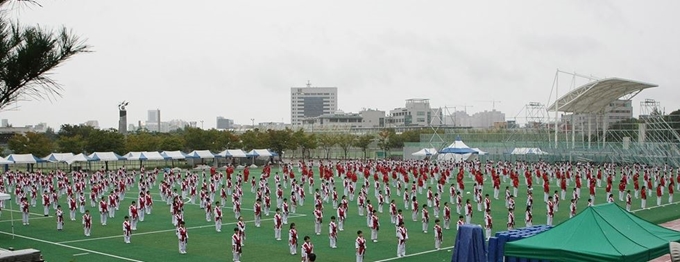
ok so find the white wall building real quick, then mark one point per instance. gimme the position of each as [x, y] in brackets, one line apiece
[416, 112]
[311, 101]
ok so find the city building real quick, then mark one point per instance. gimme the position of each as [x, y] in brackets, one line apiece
[487, 119]
[617, 111]
[94, 124]
[336, 120]
[372, 118]
[153, 121]
[312, 102]
[416, 112]
[224, 123]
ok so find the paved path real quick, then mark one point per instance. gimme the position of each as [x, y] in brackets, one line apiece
[675, 225]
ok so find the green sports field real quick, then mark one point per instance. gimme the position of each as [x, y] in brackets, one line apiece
[155, 238]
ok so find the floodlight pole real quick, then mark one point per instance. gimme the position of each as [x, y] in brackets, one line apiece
[557, 101]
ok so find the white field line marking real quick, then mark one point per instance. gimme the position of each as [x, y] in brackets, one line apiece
[72, 247]
[415, 254]
[18, 219]
[168, 230]
[80, 254]
[662, 205]
[19, 211]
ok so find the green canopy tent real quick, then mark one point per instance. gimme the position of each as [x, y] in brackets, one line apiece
[604, 232]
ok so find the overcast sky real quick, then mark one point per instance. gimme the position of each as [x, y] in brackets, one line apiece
[196, 60]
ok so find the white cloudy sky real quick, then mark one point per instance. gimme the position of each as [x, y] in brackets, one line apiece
[196, 60]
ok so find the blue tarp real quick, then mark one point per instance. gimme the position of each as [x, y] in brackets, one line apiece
[453, 150]
[470, 246]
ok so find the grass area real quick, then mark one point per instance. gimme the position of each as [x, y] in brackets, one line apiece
[155, 238]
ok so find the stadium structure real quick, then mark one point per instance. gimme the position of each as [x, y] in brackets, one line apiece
[650, 139]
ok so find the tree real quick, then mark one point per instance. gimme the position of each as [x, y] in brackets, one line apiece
[255, 139]
[327, 142]
[384, 140]
[196, 139]
[171, 143]
[73, 138]
[28, 54]
[31, 143]
[280, 140]
[105, 141]
[142, 141]
[305, 142]
[345, 141]
[71, 144]
[363, 142]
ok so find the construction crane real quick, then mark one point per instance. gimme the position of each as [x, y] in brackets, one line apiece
[493, 103]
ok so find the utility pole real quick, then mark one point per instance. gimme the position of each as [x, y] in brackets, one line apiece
[201, 124]
[253, 121]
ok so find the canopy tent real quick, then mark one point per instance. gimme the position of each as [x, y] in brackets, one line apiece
[479, 152]
[528, 151]
[57, 157]
[105, 156]
[260, 153]
[8, 198]
[145, 156]
[604, 232]
[4, 161]
[78, 158]
[24, 159]
[457, 151]
[232, 153]
[154, 156]
[174, 154]
[201, 154]
[425, 152]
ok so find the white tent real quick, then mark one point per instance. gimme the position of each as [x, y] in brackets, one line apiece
[4, 161]
[154, 155]
[232, 153]
[57, 157]
[132, 156]
[425, 152]
[7, 197]
[528, 151]
[105, 156]
[201, 154]
[457, 151]
[480, 152]
[260, 153]
[78, 158]
[174, 154]
[23, 159]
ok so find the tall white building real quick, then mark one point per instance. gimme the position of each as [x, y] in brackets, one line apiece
[311, 101]
[416, 112]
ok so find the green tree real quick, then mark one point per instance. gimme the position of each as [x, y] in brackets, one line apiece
[305, 142]
[171, 143]
[280, 140]
[142, 141]
[327, 142]
[196, 139]
[384, 140]
[31, 143]
[105, 141]
[28, 54]
[363, 142]
[71, 144]
[255, 139]
[345, 142]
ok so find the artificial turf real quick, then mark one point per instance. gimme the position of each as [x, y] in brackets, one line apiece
[155, 238]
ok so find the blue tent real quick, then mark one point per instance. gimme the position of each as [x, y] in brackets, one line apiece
[458, 147]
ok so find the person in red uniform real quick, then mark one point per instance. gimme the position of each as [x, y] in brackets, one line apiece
[360, 246]
[87, 223]
[306, 249]
[182, 237]
[127, 230]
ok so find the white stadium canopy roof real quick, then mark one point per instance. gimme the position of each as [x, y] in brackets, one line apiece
[595, 96]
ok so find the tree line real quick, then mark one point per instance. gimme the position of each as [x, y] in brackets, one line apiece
[86, 139]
